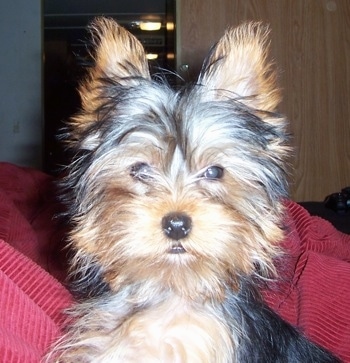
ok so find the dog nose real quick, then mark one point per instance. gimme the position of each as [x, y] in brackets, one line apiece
[176, 225]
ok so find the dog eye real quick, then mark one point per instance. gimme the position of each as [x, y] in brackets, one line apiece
[213, 173]
[141, 171]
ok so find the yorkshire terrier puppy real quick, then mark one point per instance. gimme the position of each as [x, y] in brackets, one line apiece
[176, 204]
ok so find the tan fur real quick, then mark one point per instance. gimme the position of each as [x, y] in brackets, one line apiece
[245, 70]
[183, 334]
[113, 47]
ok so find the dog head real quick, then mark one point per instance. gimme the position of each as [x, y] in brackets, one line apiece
[179, 188]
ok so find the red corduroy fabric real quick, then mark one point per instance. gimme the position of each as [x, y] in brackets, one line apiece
[31, 306]
[32, 300]
[315, 294]
[312, 294]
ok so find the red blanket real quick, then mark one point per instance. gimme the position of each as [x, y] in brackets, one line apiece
[313, 293]
[31, 298]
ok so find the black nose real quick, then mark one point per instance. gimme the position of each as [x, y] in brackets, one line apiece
[176, 225]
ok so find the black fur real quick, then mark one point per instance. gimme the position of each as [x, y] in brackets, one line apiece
[267, 337]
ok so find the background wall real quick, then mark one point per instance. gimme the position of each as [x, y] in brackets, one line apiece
[20, 86]
[311, 45]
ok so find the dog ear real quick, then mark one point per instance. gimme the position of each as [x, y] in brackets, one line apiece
[118, 55]
[238, 64]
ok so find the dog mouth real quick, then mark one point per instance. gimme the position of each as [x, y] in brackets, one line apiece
[176, 249]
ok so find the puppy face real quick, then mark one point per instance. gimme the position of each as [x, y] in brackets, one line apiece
[178, 188]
